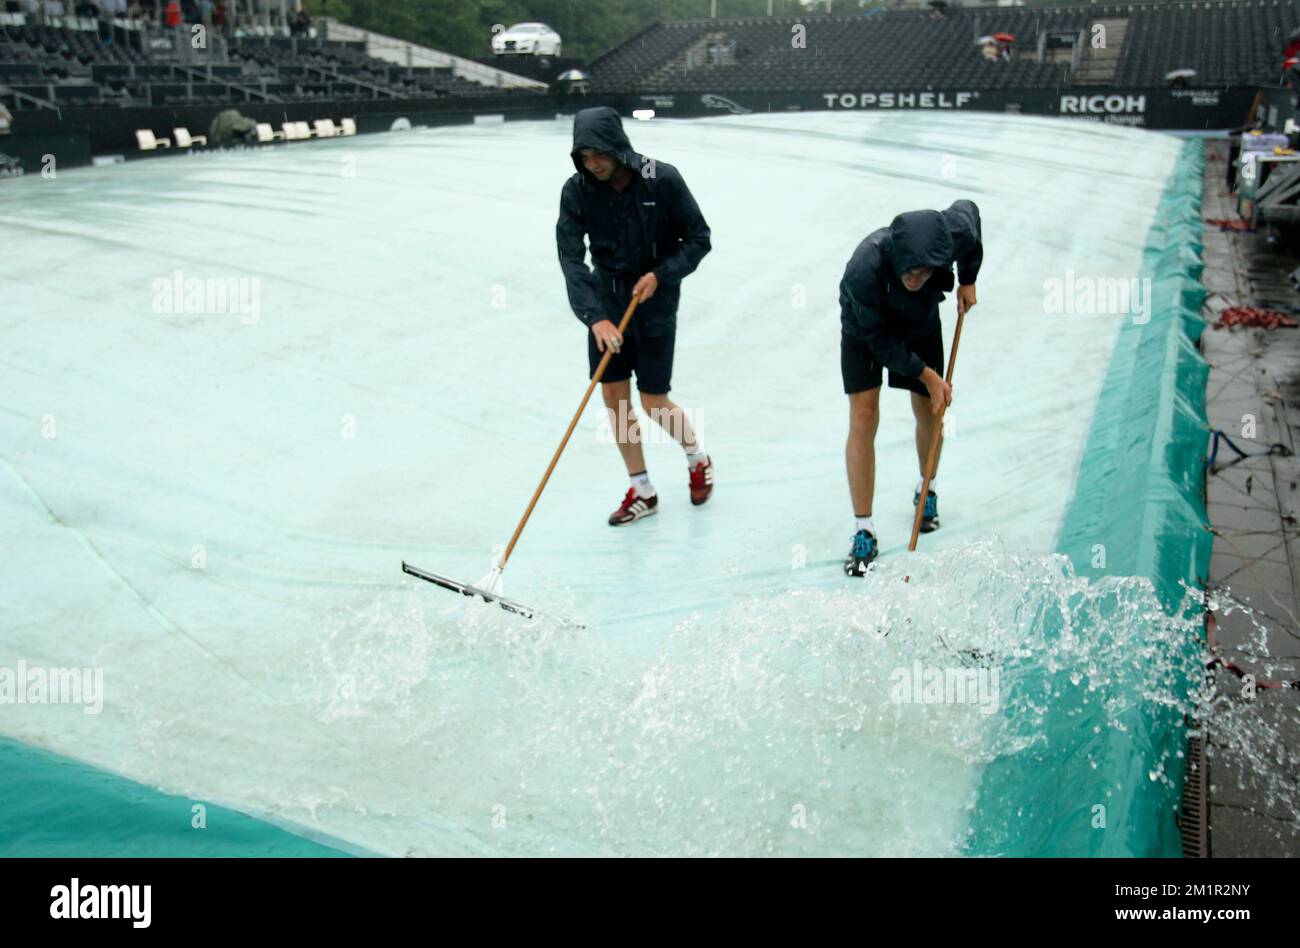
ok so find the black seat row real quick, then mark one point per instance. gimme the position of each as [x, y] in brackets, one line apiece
[1225, 41]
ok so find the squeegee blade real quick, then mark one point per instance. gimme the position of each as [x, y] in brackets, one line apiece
[465, 589]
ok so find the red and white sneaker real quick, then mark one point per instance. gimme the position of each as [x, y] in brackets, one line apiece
[701, 481]
[633, 508]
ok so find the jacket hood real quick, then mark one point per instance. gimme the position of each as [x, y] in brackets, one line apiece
[601, 129]
[920, 239]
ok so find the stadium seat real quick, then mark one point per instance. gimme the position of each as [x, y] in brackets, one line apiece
[185, 140]
[325, 128]
[147, 142]
[348, 126]
[267, 134]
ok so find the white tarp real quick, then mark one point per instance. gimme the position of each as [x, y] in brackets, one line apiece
[212, 507]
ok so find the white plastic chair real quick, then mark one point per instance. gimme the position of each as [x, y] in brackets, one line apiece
[265, 133]
[145, 139]
[348, 126]
[185, 140]
[325, 128]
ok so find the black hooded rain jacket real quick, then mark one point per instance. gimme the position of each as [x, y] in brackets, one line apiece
[652, 225]
[877, 308]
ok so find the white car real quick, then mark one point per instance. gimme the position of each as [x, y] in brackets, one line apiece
[533, 39]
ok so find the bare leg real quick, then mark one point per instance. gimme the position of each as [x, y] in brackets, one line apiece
[925, 425]
[622, 420]
[860, 451]
[670, 417]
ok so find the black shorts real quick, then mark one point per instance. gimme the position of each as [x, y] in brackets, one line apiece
[862, 371]
[650, 357]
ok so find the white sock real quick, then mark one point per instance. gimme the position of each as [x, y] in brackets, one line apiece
[864, 523]
[695, 454]
[641, 484]
[920, 482]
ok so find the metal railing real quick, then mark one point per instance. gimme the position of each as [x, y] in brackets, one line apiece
[28, 97]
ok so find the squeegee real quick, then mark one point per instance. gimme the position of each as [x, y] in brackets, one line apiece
[489, 588]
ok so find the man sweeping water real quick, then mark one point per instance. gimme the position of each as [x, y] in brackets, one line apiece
[646, 234]
[889, 319]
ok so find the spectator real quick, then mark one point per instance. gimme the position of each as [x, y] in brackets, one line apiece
[219, 15]
[205, 12]
[172, 16]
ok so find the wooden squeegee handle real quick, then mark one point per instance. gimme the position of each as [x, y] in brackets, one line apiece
[595, 380]
[934, 442]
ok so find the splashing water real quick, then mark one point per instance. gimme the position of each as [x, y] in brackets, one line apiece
[874, 719]
[1250, 748]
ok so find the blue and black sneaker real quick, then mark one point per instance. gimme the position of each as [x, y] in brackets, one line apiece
[929, 516]
[864, 551]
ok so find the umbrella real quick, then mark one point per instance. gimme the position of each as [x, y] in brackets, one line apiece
[1293, 35]
[572, 75]
[1180, 74]
[984, 40]
[1004, 37]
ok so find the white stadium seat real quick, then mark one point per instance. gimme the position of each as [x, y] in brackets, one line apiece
[185, 140]
[145, 139]
[265, 133]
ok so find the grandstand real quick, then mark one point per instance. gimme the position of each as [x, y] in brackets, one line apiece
[84, 62]
[96, 83]
[1233, 41]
